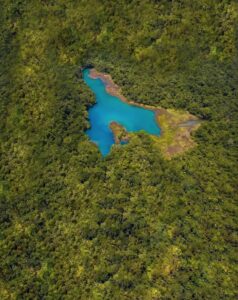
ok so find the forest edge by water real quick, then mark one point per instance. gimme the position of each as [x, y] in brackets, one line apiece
[176, 126]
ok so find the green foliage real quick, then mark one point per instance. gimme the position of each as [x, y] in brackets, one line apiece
[74, 225]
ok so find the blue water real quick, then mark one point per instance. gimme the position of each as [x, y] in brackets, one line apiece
[109, 108]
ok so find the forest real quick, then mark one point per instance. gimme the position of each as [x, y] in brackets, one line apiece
[133, 225]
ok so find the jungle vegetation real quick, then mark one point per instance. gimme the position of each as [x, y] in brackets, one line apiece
[133, 225]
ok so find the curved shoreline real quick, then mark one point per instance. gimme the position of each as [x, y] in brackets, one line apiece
[114, 90]
[176, 125]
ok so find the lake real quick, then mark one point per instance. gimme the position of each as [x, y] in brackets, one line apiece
[109, 108]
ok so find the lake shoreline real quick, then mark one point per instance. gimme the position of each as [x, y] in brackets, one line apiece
[114, 90]
[176, 126]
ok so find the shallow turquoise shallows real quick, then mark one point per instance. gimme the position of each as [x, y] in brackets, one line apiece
[109, 108]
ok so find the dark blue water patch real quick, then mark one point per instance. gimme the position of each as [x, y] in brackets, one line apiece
[124, 142]
[109, 108]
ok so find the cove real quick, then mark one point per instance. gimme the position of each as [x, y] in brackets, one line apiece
[109, 108]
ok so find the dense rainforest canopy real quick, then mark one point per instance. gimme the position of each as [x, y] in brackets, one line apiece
[132, 225]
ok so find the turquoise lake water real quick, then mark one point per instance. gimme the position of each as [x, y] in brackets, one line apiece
[109, 108]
